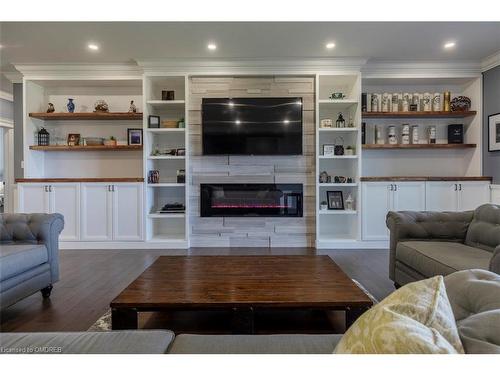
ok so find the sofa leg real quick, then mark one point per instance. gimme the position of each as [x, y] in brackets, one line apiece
[46, 291]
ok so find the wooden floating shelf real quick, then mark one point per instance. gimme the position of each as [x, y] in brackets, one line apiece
[166, 157]
[166, 130]
[86, 116]
[440, 114]
[87, 148]
[338, 129]
[420, 146]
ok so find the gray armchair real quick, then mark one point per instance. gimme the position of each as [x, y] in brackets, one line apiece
[29, 255]
[426, 244]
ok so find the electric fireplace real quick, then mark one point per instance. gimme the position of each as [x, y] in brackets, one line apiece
[269, 200]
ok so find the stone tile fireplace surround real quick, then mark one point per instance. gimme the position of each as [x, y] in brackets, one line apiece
[250, 231]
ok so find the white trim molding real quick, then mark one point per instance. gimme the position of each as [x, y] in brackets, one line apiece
[4, 95]
[6, 123]
[79, 71]
[429, 69]
[14, 77]
[490, 62]
[253, 66]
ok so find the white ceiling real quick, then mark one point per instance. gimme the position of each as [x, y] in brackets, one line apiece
[123, 42]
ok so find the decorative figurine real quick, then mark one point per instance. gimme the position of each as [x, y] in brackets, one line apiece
[324, 205]
[70, 105]
[323, 177]
[50, 108]
[101, 106]
[132, 108]
[349, 203]
[460, 103]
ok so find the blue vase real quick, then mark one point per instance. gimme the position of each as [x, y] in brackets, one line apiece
[70, 106]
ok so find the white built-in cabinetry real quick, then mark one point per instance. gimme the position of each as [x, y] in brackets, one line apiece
[92, 211]
[381, 197]
[338, 226]
[456, 195]
[63, 198]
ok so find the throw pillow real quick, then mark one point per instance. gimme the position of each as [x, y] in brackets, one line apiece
[416, 318]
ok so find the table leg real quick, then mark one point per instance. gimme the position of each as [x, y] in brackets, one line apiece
[243, 320]
[353, 313]
[123, 319]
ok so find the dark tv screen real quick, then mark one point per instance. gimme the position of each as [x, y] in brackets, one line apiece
[252, 126]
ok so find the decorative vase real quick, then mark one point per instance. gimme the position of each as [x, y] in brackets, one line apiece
[70, 105]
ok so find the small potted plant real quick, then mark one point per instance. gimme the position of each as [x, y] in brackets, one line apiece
[110, 142]
[323, 205]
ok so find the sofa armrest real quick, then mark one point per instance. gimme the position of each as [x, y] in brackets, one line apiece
[495, 261]
[47, 228]
[35, 228]
[425, 226]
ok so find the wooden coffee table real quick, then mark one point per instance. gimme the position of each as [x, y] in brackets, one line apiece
[241, 285]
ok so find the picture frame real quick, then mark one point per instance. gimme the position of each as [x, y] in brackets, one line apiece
[153, 121]
[335, 200]
[494, 132]
[73, 139]
[328, 150]
[134, 137]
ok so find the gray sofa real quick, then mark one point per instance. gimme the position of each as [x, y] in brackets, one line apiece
[426, 244]
[29, 255]
[474, 296]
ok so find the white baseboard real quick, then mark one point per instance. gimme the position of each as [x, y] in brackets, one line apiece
[79, 245]
[335, 245]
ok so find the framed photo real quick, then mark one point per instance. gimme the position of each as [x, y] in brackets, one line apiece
[335, 200]
[153, 121]
[134, 136]
[180, 152]
[73, 139]
[494, 132]
[328, 150]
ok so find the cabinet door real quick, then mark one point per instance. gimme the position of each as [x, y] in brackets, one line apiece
[376, 204]
[441, 196]
[33, 198]
[96, 205]
[409, 196]
[472, 194]
[65, 200]
[127, 212]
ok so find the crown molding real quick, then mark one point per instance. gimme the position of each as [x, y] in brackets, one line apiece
[253, 66]
[490, 62]
[424, 69]
[6, 123]
[4, 95]
[14, 77]
[76, 71]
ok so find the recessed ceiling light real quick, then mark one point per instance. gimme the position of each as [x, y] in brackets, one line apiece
[330, 45]
[286, 121]
[238, 122]
[212, 46]
[448, 45]
[93, 47]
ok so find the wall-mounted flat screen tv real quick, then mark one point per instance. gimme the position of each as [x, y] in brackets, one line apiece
[252, 126]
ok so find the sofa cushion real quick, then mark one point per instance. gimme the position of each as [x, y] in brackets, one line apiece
[255, 344]
[19, 257]
[484, 229]
[415, 319]
[431, 258]
[115, 342]
[475, 299]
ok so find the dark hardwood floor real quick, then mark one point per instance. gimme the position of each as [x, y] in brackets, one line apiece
[90, 279]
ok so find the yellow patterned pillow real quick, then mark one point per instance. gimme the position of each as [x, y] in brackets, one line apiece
[416, 318]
